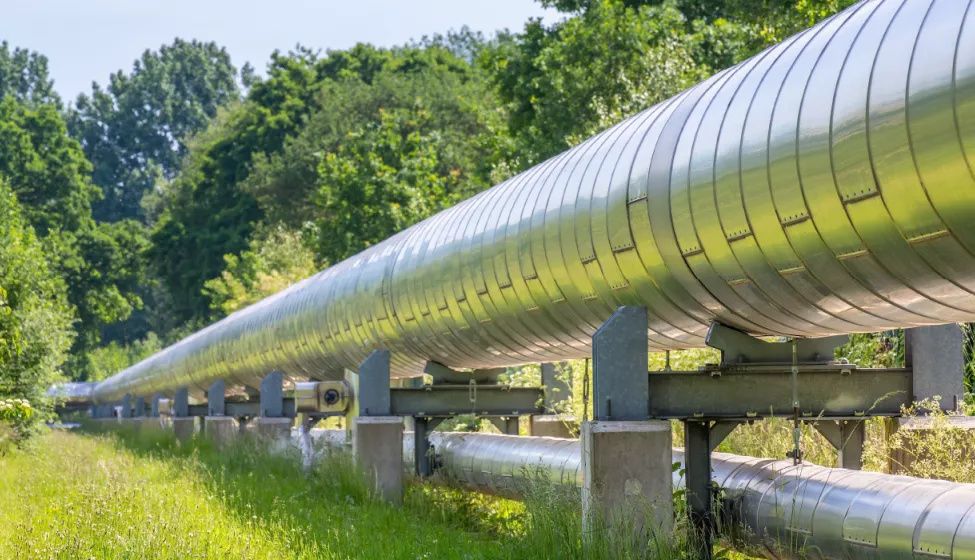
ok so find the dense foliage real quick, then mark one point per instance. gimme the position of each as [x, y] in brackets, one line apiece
[35, 319]
[183, 189]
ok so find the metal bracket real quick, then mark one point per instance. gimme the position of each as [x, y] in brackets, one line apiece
[444, 375]
[140, 407]
[740, 348]
[753, 391]
[216, 399]
[620, 359]
[272, 395]
[373, 391]
[721, 430]
[181, 402]
[423, 456]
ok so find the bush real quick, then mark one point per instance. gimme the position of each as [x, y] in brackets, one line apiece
[35, 319]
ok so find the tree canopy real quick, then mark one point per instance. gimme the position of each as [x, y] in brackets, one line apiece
[134, 130]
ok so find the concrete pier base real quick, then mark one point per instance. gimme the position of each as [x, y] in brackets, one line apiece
[627, 468]
[377, 445]
[184, 427]
[272, 429]
[131, 424]
[551, 425]
[222, 430]
[150, 423]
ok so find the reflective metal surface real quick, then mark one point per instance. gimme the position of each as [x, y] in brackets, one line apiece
[71, 393]
[803, 511]
[825, 186]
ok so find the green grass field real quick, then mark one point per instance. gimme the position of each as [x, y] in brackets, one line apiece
[78, 495]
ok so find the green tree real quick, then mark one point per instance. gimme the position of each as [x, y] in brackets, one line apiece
[567, 81]
[49, 174]
[109, 359]
[274, 261]
[382, 179]
[45, 168]
[207, 212]
[134, 130]
[102, 266]
[35, 317]
[24, 75]
[461, 110]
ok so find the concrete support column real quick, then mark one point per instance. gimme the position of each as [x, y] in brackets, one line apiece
[550, 425]
[626, 457]
[184, 427]
[222, 430]
[377, 442]
[627, 468]
[377, 436]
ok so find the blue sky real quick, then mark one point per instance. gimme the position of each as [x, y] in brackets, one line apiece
[86, 40]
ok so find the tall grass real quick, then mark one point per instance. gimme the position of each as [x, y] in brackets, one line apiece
[76, 496]
[123, 495]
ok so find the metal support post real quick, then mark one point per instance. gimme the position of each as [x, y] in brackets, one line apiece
[555, 390]
[126, 406]
[183, 424]
[697, 477]
[140, 407]
[154, 411]
[216, 399]
[272, 423]
[847, 437]
[626, 457]
[852, 435]
[181, 403]
[374, 394]
[423, 460]
[507, 425]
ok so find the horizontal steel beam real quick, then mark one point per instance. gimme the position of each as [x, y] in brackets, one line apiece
[247, 409]
[441, 401]
[760, 394]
